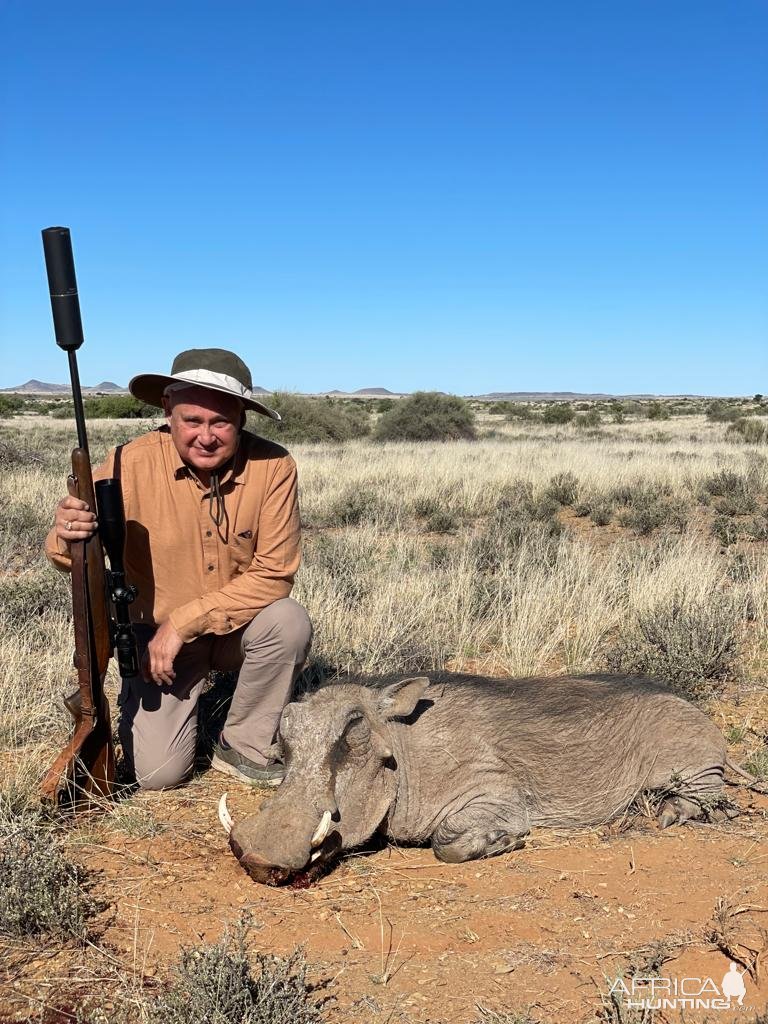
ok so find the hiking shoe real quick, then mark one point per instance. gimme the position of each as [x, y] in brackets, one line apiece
[227, 760]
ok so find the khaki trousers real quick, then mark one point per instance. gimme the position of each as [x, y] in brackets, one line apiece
[158, 724]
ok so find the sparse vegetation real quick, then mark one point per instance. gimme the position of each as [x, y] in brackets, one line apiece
[692, 644]
[217, 983]
[42, 892]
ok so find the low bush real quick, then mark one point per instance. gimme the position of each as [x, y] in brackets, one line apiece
[558, 412]
[441, 521]
[690, 644]
[749, 431]
[601, 512]
[217, 984]
[645, 518]
[354, 506]
[41, 891]
[722, 483]
[519, 517]
[591, 418]
[725, 530]
[721, 412]
[657, 411]
[427, 416]
[10, 405]
[311, 419]
[738, 503]
[108, 407]
[563, 487]
[519, 411]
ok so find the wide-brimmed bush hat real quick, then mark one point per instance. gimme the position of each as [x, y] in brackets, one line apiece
[213, 368]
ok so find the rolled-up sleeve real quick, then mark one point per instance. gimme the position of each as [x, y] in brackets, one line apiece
[270, 575]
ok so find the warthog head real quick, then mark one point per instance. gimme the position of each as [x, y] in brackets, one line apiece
[341, 779]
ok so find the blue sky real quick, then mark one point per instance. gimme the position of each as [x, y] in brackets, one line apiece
[468, 197]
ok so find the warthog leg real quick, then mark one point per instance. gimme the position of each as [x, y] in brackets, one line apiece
[481, 830]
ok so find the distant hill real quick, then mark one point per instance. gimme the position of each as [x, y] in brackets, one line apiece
[374, 391]
[39, 387]
[566, 396]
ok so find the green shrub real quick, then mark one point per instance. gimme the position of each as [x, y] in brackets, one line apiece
[645, 518]
[518, 411]
[563, 487]
[591, 418]
[108, 407]
[558, 412]
[738, 503]
[723, 482]
[749, 431]
[215, 984]
[10, 405]
[757, 529]
[427, 416]
[725, 530]
[41, 890]
[517, 518]
[721, 412]
[691, 644]
[354, 506]
[311, 419]
[757, 764]
[601, 512]
[657, 411]
[441, 521]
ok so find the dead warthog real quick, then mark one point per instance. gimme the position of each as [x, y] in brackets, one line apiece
[471, 764]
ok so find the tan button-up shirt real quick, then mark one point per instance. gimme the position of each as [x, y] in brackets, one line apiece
[204, 578]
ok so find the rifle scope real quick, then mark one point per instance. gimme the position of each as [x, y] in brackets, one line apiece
[111, 514]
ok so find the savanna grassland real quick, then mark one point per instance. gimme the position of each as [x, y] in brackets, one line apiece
[613, 539]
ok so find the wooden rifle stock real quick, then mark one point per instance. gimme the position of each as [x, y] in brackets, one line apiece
[85, 769]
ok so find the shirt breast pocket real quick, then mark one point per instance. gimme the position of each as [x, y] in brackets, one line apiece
[241, 550]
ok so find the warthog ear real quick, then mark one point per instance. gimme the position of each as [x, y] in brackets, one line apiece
[399, 699]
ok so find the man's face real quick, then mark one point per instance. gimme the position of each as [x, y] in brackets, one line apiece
[205, 427]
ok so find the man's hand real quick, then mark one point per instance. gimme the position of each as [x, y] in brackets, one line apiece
[74, 520]
[161, 653]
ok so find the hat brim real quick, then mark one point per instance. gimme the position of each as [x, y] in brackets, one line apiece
[149, 388]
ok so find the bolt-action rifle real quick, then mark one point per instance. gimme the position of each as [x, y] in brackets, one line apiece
[85, 769]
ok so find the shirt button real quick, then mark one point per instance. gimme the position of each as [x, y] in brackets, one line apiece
[209, 533]
[210, 568]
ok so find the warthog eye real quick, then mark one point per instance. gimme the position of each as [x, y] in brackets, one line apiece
[357, 731]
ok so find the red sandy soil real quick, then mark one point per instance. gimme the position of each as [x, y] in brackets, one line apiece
[398, 936]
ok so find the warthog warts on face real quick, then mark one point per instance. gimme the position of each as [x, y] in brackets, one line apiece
[471, 764]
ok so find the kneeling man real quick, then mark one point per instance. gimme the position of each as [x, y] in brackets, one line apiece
[212, 546]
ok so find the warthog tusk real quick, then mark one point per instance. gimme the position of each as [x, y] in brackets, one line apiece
[314, 856]
[224, 816]
[321, 831]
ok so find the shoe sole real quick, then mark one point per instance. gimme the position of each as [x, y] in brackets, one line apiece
[230, 769]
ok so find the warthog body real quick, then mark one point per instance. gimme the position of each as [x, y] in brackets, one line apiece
[471, 764]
